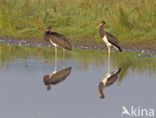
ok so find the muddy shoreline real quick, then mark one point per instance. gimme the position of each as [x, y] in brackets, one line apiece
[86, 44]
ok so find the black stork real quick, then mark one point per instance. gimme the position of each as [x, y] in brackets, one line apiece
[57, 39]
[108, 38]
[57, 77]
[108, 80]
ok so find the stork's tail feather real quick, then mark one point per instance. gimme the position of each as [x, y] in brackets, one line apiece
[119, 49]
[68, 44]
[69, 48]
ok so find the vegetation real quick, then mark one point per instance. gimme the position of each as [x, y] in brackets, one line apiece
[128, 61]
[128, 20]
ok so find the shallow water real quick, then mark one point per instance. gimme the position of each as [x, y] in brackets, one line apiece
[24, 95]
[23, 42]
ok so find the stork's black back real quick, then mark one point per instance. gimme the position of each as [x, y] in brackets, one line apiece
[61, 40]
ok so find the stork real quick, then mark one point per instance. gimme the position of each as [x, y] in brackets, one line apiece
[56, 40]
[108, 38]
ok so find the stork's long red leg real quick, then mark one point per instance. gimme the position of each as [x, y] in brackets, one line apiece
[64, 54]
[109, 51]
[55, 58]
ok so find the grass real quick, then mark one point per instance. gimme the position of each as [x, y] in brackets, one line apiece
[128, 20]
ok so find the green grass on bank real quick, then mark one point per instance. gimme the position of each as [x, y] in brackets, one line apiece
[128, 20]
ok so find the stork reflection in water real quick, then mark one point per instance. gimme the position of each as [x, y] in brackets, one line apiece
[56, 77]
[108, 79]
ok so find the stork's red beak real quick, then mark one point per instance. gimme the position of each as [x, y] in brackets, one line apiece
[100, 24]
[48, 87]
[99, 94]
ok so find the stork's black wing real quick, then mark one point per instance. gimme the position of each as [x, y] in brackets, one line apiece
[60, 76]
[114, 76]
[60, 40]
[113, 40]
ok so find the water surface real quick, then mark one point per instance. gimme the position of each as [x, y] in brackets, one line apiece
[24, 95]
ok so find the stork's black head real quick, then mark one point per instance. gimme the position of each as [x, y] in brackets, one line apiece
[45, 79]
[101, 86]
[47, 33]
[102, 23]
[48, 29]
[46, 82]
[48, 87]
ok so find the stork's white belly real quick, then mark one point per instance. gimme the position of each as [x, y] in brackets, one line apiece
[104, 80]
[106, 41]
[51, 74]
[54, 44]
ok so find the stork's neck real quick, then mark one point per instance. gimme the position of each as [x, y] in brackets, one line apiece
[101, 92]
[101, 87]
[102, 32]
[48, 32]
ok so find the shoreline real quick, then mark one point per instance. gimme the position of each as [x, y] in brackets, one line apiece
[86, 44]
